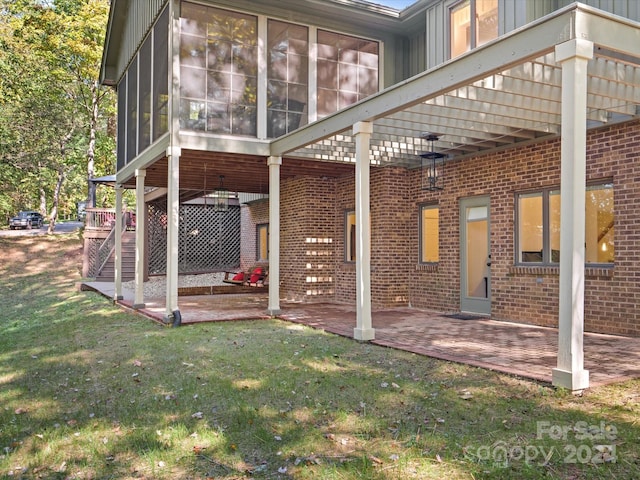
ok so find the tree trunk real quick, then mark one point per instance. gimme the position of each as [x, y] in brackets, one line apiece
[93, 122]
[56, 198]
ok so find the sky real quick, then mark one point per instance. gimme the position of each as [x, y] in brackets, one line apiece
[399, 4]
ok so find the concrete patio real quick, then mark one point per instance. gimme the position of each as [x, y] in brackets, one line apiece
[523, 350]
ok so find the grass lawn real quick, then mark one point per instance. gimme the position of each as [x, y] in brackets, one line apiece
[90, 391]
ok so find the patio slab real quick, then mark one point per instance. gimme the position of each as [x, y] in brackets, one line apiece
[524, 350]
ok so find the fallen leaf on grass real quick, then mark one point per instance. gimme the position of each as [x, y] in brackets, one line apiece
[20, 411]
[197, 415]
[466, 395]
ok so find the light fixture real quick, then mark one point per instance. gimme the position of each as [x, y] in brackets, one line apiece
[221, 197]
[432, 165]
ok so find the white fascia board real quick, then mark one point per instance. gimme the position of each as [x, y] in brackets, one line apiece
[147, 158]
[608, 30]
[516, 47]
[227, 144]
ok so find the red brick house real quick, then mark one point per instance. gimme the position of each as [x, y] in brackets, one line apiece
[410, 157]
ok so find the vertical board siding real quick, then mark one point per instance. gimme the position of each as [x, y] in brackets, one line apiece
[139, 20]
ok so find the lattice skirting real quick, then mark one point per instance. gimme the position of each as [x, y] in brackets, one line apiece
[208, 240]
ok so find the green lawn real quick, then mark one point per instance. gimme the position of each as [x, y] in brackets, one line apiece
[90, 391]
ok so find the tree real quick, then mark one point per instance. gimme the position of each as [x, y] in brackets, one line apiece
[53, 112]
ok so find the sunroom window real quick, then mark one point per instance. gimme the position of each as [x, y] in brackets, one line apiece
[218, 70]
[538, 226]
[287, 77]
[347, 70]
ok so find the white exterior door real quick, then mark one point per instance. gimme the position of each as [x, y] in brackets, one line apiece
[475, 256]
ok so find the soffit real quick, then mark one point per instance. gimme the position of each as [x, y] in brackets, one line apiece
[504, 94]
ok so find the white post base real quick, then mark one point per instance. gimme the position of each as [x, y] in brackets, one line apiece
[573, 381]
[364, 334]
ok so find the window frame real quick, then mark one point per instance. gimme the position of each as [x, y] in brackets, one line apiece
[547, 252]
[421, 253]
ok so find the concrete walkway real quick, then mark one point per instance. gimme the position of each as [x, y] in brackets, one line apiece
[524, 350]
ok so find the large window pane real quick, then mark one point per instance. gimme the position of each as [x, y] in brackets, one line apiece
[219, 63]
[430, 236]
[132, 110]
[160, 76]
[554, 225]
[122, 123]
[472, 23]
[348, 70]
[144, 99]
[460, 28]
[287, 77]
[487, 21]
[530, 233]
[599, 224]
[538, 233]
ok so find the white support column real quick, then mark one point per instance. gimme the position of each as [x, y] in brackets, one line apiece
[364, 331]
[172, 313]
[140, 243]
[117, 294]
[574, 56]
[274, 234]
[173, 227]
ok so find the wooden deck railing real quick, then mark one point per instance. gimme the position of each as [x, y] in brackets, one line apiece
[104, 219]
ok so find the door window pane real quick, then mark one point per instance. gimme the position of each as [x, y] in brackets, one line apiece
[477, 248]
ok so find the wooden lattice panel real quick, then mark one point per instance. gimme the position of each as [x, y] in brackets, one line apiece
[208, 240]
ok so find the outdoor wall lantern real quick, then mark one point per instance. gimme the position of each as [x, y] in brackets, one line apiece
[221, 197]
[432, 165]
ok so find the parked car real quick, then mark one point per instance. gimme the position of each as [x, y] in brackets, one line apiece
[26, 219]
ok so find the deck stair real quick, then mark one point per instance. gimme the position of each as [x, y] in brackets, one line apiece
[107, 273]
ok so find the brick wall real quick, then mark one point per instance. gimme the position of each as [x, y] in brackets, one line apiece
[308, 239]
[313, 213]
[530, 294]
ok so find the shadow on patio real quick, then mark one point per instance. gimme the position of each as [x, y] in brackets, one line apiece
[523, 350]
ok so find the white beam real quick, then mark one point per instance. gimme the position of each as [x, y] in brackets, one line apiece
[574, 56]
[274, 234]
[362, 136]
